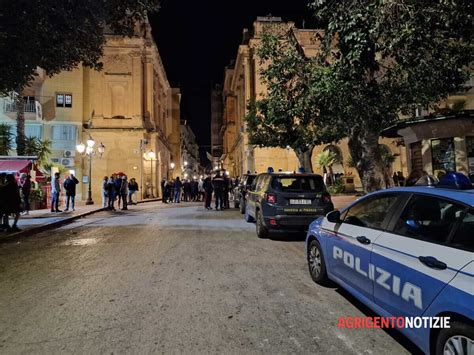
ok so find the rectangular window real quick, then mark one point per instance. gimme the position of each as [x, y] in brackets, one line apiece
[34, 131]
[443, 155]
[63, 137]
[428, 218]
[63, 100]
[370, 213]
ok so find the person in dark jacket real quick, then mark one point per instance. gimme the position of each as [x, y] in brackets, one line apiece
[70, 187]
[178, 185]
[208, 189]
[111, 192]
[226, 190]
[11, 194]
[218, 185]
[3, 202]
[187, 191]
[25, 184]
[132, 191]
[118, 185]
[55, 193]
[124, 192]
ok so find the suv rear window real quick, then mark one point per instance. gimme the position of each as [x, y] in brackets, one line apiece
[249, 180]
[298, 183]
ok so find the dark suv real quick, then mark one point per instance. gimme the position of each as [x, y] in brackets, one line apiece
[240, 192]
[280, 202]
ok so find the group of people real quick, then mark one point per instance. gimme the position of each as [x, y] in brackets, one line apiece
[118, 188]
[203, 190]
[69, 186]
[10, 202]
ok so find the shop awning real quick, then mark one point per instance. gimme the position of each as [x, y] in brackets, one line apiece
[14, 166]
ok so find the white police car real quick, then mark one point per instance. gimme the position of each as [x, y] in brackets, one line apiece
[405, 252]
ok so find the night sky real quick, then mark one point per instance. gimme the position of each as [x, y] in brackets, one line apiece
[197, 39]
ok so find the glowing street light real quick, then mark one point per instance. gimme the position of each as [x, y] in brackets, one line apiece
[90, 151]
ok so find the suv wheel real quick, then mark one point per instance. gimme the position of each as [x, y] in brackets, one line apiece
[262, 231]
[248, 218]
[242, 206]
[458, 339]
[316, 263]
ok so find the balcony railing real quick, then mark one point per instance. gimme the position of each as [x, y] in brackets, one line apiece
[30, 106]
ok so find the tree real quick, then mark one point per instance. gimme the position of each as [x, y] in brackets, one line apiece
[326, 159]
[40, 149]
[5, 139]
[287, 114]
[385, 58]
[57, 36]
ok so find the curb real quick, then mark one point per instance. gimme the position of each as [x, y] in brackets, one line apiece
[56, 224]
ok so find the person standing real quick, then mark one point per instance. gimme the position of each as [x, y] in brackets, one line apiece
[26, 190]
[118, 185]
[11, 194]
[178, 185]
[70, 187]
[124, 192]
[55, 193]
[132, 191]
[218, 185]
[105, 192]
[208, 189]
[111, 192]
[226, 189]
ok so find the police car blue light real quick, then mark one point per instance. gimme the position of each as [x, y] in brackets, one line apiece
[405, 252]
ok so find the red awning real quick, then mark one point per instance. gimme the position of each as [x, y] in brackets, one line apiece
[14, 166]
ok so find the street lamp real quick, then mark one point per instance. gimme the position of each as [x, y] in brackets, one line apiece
[90, 151]
[152, 157]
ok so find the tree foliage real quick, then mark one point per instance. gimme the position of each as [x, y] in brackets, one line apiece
[384, 58]
[6, 139]
[40, 149]
[287, 114]
[59, 35]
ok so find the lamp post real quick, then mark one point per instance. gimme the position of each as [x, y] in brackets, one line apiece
[90, 151]
[152, 156]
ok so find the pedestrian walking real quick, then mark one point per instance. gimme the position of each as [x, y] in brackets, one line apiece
[208, 189]
[55, 193]
[25, 184]
[111, 192]
[178, 185]
[187, 191]
[70, 187]
[105, 192]
[11, 195]
[132, 191]
[218, 185]
[226, 190]
[124, 192]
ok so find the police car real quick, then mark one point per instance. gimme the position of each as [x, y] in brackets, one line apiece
[405, 252]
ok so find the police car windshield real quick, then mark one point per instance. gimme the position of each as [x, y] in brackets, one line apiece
[298, 183]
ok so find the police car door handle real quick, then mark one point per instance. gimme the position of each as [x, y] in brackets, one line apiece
[432, 262]
[363, 240]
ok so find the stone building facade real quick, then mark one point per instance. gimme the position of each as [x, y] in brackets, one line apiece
[129, 107]
[190, 162]
[242, 83]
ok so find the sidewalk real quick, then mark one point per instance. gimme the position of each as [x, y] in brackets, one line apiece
[41, 220]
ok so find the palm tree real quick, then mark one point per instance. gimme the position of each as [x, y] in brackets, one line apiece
[326, 159]
[38, 148]
[5, 139]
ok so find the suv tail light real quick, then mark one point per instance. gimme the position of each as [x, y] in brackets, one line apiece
[326, 197]
[271, 198]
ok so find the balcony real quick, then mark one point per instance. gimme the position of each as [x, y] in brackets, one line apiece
[30, 106]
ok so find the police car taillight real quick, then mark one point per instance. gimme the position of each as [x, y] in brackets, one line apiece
[326, 197]
[271, 198]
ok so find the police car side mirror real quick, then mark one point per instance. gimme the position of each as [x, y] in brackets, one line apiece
[334, 216]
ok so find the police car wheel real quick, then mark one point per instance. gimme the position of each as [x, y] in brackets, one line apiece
[458, 339]
[242, 206]
[316, 263]
[262, 231]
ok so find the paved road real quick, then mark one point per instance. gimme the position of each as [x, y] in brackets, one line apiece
[167, 279]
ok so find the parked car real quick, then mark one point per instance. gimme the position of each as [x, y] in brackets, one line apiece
[404, 252]
[282, 202]
[240, 192]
